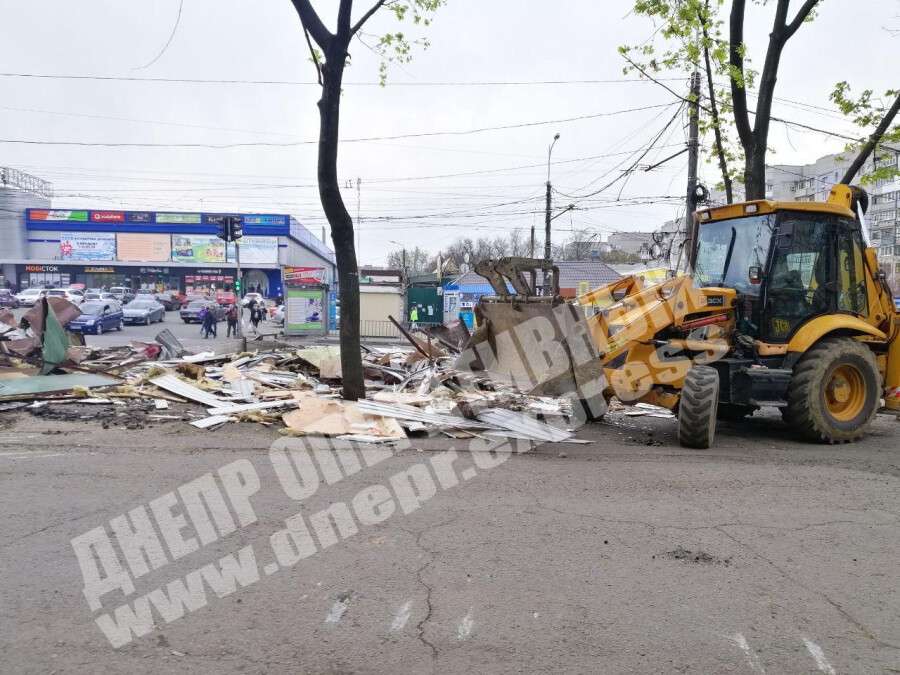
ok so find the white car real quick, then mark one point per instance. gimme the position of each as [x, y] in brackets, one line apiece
[73, 296]
[278, 315]
[29, 296]
[252, 296]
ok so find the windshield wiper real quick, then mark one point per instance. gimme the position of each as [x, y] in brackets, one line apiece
[729, 254]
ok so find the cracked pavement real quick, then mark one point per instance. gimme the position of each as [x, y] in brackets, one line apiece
[552, 561]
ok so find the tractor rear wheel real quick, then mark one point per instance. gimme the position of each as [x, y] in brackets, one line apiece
[698, 407]
[834, 393]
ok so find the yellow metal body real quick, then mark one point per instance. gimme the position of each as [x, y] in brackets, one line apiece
[625, 316]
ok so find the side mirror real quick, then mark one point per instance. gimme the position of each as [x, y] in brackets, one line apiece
[756, 275]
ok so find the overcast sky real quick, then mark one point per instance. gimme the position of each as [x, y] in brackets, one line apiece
[472, 41]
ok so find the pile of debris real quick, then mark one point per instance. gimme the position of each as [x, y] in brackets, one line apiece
[411, 391]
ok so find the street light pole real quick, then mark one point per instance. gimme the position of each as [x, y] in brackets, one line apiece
[547, 219]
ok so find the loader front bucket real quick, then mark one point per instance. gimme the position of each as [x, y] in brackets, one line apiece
[541, 345]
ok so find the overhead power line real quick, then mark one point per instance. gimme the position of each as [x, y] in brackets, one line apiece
[304, 83]
[289, 144]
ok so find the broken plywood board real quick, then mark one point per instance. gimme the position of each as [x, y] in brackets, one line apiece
[330, 417]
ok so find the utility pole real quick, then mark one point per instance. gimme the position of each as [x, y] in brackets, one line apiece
[548, 286]
[691, 225]
[358, 224]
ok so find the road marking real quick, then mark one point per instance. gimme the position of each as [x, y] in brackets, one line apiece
[464, 629]
[29, 455]
[744, 646]
[402, 617]
[337, 610]
[819, 656]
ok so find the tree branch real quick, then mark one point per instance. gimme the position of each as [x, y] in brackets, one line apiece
[312, 23]
[365, 17]
[714, 108]
[315, 58]
[802, 13]
[869, 147]
[343, 20]
[736, 61]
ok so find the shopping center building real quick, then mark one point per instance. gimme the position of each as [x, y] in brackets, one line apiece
[155, 249]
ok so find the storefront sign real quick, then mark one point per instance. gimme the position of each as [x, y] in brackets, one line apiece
[303, 276]
[139, 217]
[41, 268]
[256, 251]
[264, 220]
[178, 218]
[197, 248]
[135, 247]
[88, 246]
[209, 271]
[154, 270]
[99, 270]
[107, 217]
[44, 214]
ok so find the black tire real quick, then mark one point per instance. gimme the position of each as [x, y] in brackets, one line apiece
[735, 412]
[814, 410]
[697, 408]
[121, 325]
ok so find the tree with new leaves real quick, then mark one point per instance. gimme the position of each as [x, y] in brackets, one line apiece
[330, 52]
[867, 111]
[691, 31]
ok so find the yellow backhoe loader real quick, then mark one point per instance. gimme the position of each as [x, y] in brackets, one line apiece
[786, 307]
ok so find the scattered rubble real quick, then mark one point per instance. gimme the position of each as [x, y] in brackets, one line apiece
[411, 389]
[698, 557]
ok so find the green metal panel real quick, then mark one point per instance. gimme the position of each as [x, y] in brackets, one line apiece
[431, 305]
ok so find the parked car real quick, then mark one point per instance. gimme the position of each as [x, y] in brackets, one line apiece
[123, 293]
[193, 297]
[99, 295]
[191, 313]
[225, 297]
[170, 299]
[144, 309]
[29, 296]
[7, 299]
[252, 296]
[73, 296]
[97, 317]
[278, 315]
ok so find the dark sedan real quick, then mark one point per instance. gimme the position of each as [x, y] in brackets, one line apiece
[97, 316]
[7, 299]
[169, 299]
[191, 313]
[144, 309]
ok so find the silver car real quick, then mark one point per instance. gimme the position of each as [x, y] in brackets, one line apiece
[145, 311]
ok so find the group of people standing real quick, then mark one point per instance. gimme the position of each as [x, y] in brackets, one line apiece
[208, 320]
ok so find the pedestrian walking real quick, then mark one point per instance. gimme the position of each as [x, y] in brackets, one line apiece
[209, 323]
[203, 325]
[414, 316]
[232, 317]
[256, 315]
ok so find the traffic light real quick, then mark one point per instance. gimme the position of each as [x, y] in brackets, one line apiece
[222, 232]
[237, 287]
[236, 228]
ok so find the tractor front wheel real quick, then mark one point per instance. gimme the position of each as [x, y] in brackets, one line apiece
[834, 393]
[698, 407]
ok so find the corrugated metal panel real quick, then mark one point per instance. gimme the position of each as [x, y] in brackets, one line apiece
[405, 412]
[181, 388]
[525, 424]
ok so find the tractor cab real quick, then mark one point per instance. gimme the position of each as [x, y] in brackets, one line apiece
[789, 262]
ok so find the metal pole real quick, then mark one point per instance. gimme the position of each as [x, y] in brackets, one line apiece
[237, 299]
[691, 224]
[547, 272]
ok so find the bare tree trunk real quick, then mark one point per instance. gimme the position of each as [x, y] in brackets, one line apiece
[755, 139]
[339, 219]
[874, 139]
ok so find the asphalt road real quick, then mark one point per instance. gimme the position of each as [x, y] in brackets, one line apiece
[627, 554]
